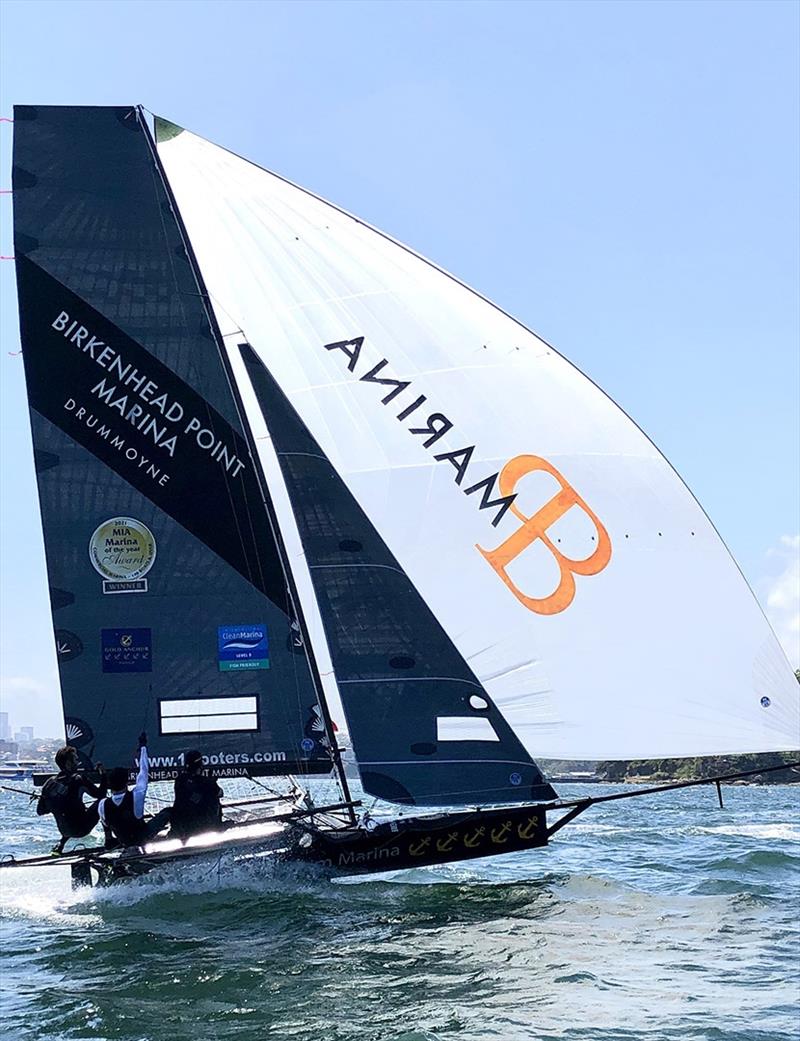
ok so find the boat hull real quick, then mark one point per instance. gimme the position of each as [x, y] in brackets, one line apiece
[422, 841]
[368, 849]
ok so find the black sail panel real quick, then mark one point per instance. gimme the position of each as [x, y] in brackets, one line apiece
[399, 674]
[169, 602]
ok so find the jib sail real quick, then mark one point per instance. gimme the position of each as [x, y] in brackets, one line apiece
[170, 606]
[424, 730]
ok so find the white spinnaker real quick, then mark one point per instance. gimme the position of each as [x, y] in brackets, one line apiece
[663, 651]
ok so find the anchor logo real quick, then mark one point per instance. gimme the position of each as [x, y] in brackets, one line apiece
[474, 839]
[419, 847]
[445, 845]
[527, 832]
[500, 835]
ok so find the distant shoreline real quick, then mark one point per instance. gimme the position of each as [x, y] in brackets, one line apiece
[665, 771]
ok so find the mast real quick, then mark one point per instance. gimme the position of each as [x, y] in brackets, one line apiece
[266, 499]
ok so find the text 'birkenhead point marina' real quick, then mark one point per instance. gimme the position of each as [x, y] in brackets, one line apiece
[133, 383]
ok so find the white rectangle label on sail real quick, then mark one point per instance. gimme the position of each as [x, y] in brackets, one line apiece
[208, 715]
[464, 728]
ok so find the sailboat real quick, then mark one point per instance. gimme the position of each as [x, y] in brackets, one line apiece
[282, 459]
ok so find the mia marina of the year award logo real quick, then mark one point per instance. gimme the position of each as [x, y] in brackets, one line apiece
[122, 550]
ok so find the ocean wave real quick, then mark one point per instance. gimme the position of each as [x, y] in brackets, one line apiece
[765, 859]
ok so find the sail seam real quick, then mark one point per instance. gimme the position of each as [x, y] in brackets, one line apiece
[305, 455]
[417, 679]
[387, 567]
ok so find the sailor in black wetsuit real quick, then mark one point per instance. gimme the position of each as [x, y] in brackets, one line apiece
[197, 805]
[123, 811]
[62, 795]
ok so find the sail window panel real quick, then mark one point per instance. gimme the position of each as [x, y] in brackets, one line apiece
[465, 728]
[207, 706]
[209, 724]
[208, 715]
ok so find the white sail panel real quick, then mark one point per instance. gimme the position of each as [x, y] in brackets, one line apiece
[561, 553]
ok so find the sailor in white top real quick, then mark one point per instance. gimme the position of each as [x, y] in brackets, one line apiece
[123, 810]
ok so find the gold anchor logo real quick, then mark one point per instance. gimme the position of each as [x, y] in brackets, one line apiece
[527, 832]
[500, 835]
[474, 839]
[445, 845]
[419, 847]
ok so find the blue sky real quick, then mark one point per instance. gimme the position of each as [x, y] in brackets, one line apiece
[621, 177]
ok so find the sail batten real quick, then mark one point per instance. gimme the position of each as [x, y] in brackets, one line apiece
[601, 612]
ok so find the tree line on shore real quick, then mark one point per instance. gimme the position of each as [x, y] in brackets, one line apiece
[699, 767]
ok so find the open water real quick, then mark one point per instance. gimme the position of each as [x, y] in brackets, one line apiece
[655, 918]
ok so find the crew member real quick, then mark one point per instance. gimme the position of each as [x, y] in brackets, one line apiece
[123, 811]
[197, 805]
[62, 795]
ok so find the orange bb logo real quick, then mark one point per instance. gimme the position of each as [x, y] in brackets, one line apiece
[536, 527]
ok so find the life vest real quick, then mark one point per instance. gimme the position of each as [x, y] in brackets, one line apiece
[62, 796]
[123, 822]
[55, 795]
[197, 805]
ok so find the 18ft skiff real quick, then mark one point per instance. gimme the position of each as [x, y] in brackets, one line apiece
[282, 459]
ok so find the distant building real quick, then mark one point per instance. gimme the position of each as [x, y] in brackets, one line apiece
[24, 735]
[8, 746]
[5, 729]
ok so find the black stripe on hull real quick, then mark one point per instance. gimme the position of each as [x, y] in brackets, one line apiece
[424, 841]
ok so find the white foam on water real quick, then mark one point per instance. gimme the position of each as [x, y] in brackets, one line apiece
[785, 831]
[599, 829]
[260, 874]
[42, 894]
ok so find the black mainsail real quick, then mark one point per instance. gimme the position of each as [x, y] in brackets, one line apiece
[169, 601]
